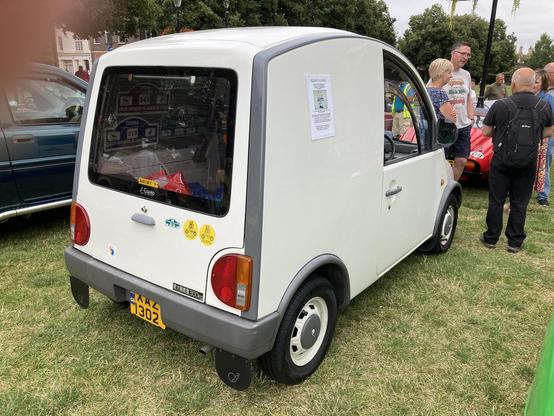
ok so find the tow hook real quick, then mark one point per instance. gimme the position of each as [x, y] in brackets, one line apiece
[233, 370]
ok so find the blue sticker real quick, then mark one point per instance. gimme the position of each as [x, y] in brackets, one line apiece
[172, 223]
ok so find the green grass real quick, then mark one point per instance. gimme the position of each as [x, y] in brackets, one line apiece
[457, 334]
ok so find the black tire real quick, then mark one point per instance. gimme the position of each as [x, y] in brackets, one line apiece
[292, 364]
[442, 240]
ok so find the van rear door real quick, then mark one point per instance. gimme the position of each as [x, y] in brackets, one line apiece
[160, 173]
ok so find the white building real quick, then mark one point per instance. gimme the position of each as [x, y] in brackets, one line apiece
[72, 51]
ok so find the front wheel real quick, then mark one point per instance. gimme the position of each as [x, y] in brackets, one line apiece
[304, 335]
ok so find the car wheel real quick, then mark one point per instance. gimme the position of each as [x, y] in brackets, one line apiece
[447, 227]
[304, 335]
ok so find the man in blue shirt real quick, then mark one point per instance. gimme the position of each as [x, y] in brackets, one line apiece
[401, 119]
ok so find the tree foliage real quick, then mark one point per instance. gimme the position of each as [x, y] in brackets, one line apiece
[543, 52]
[129, 17]
[431, 35]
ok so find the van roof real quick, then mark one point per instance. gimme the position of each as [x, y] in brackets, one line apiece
[261, 37]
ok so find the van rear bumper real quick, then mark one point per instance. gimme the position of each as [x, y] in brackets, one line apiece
[248, 339]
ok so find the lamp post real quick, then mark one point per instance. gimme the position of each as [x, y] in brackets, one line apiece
[481, 99]
[226, 7]
[177, 4]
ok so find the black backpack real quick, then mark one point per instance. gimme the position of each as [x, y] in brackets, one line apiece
[518, 146]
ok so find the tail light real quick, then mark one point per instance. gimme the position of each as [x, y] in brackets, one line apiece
[471, 166]
[79, 225]
[232, 280]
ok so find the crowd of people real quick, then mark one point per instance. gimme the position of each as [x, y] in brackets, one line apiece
[520, 125]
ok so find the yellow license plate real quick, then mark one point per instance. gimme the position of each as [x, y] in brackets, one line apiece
[146, 309]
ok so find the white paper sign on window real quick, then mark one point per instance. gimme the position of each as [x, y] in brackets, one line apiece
[320, 106]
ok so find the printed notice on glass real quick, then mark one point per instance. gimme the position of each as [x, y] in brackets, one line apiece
[320, 106]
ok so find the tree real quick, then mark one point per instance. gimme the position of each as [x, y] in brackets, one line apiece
[430, 35]
[503, 50]
[365, 17]
[543, 53]
[127, 17]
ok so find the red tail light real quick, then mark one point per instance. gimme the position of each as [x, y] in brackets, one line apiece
[471, 166]
[232, 280]
[79, 225]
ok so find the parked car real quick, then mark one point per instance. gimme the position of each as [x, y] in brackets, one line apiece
[40, 114]
[481, 149]
[254, 190]
[541, 394]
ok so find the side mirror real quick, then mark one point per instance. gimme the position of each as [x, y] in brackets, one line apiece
[447, 133]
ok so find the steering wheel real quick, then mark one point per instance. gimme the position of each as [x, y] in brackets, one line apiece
[389, 153]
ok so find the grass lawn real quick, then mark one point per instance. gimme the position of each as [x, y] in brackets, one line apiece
[457, 334]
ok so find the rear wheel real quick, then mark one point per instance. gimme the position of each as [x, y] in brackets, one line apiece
[304, 335]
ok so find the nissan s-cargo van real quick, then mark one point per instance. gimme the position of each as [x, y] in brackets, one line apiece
[241, 186]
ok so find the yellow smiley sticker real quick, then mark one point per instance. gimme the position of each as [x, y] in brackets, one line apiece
[190, 229]
[207, 235]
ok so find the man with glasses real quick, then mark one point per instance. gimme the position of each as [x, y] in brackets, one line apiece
[542, 197]
[459, 94]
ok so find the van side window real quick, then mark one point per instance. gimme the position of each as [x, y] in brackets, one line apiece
[407, 121]
[44, 101]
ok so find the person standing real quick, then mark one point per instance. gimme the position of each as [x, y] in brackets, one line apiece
[81, 73]
[497, 90]
[542, 197]
[440, 71]
[516, 124]
[541, 88]
[473, 93]
[458, 90]
[401, 118]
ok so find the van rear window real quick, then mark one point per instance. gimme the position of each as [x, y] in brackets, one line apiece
[166, 134]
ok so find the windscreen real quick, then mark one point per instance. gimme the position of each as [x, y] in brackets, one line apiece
[166, 134]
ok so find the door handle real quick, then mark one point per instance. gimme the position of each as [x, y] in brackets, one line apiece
[393, 191]
[143, 219]
[23, 139]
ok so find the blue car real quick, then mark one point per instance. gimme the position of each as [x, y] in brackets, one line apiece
[40, 114]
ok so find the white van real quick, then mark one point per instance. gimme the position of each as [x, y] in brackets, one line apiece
[239, 186]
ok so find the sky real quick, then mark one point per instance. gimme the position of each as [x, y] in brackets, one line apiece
[533, 18]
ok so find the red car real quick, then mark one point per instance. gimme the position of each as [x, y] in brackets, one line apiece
[480, 156]
[480, 152]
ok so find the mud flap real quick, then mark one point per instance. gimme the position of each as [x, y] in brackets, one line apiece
[233, 370]
[80, 291]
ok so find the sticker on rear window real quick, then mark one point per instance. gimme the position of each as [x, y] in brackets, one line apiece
[190, 228]
[148, 182]
[207, 235]
[142, 98]
[131, 132]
